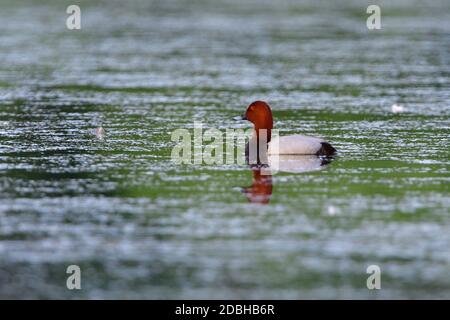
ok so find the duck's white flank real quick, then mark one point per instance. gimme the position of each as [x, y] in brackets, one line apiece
[295, 144]
[295, 163]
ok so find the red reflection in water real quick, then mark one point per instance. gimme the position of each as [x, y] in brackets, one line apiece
[261, 188]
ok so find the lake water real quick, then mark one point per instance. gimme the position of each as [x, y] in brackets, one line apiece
[140, 226]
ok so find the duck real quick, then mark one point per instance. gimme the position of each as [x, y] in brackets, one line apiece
[260, 114]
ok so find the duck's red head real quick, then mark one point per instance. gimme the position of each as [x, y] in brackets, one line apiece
[260, 115]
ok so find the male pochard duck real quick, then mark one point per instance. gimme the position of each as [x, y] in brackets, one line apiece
[260, 114]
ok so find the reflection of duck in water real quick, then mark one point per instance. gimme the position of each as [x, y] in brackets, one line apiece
[261, 188]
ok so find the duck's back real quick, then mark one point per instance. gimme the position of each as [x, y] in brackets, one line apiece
[299, 144]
